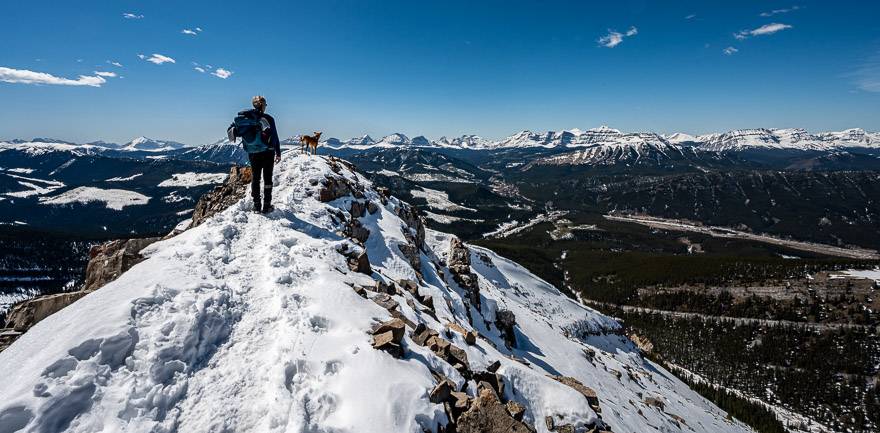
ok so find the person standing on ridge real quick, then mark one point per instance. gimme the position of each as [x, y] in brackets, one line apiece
[259, 137]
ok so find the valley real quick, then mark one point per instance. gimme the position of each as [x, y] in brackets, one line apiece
[745, 262]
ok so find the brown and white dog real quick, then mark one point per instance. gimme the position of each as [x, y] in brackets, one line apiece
[308, 142]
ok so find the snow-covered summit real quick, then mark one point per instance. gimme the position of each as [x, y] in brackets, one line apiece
[249, 322]
[151, 145]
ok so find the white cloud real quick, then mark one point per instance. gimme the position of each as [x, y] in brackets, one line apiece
[867, 76]
[779, 11]
[117, 64]
[131, 16]
[23, 76]
[199, 29]
[157, 59]
[188, 32]
[105, 74]
[766, 29]
[614, 38]
[200, 69]
[221, 73]
[690, 17]
[730, 51]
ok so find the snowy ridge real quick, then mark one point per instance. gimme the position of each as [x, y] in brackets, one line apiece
[736, 140]
[249, 323]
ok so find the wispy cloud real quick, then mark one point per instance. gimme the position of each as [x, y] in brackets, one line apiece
[117, 64]
[867, 76]
[222, 73]
[200, 69]
[766, 29]
[106, 74]
[779, 11]
[131, 16]
[157, 59]
[23, 76]
[729, 51]
[191, 31]
[614, 38]
[690, 17]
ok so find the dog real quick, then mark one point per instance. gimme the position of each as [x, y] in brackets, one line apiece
[309, 143]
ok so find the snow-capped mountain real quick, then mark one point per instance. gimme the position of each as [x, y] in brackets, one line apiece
[467, 141]
[151, 145]
[221, 151]
[786, 139]
[254, 322]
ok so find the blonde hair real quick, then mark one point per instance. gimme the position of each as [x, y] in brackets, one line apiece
[259, 102]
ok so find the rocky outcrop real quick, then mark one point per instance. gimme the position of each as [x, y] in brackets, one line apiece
[109, 260]
[505, 321]
[586, 391]
[223, 196]
[414, 232]
[28, 313]
[387, 337]
[459, 264]
[487, 414]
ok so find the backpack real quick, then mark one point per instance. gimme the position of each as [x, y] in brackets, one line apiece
[253, 130]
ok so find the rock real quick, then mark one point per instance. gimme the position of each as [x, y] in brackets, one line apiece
[372, 207]
[334, 187]
[398, 315]
[515, 410]
[109, 260]
[360, 263]
[457, 355]
[656, 402]
[409, 285]
[459, 264]
[355, 230]
[28, 313]
[357, 209]
[642, 343]
[487, 415]
[412, 253]
[360, 290]
[385, 342]
[493, 367]
[421, 337]
[385, 301]
[505, 321]
[438, 345]
[470, 337]
[586, 391]
[383, 192]
[396, 326]
[493, 380]
[442, 391]
[222, 196]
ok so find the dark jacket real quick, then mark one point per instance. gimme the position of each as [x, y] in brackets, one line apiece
[274, 143]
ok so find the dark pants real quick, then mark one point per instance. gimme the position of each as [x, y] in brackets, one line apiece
[262, 164]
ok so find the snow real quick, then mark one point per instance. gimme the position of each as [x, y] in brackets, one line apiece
[190, 179]
[115, 199]
[247, 323]
[21, 170]
[145, 144]
[869, 274]
[124, 179]
[439, 200]
[35, 186]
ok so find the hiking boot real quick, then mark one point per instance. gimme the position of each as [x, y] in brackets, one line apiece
[268, 208]
[258, 207]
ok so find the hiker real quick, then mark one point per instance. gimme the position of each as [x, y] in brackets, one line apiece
[259, 137]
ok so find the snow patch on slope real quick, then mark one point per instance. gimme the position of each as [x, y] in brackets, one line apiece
[115, 199]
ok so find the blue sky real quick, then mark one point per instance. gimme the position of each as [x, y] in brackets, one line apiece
[435, 68]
